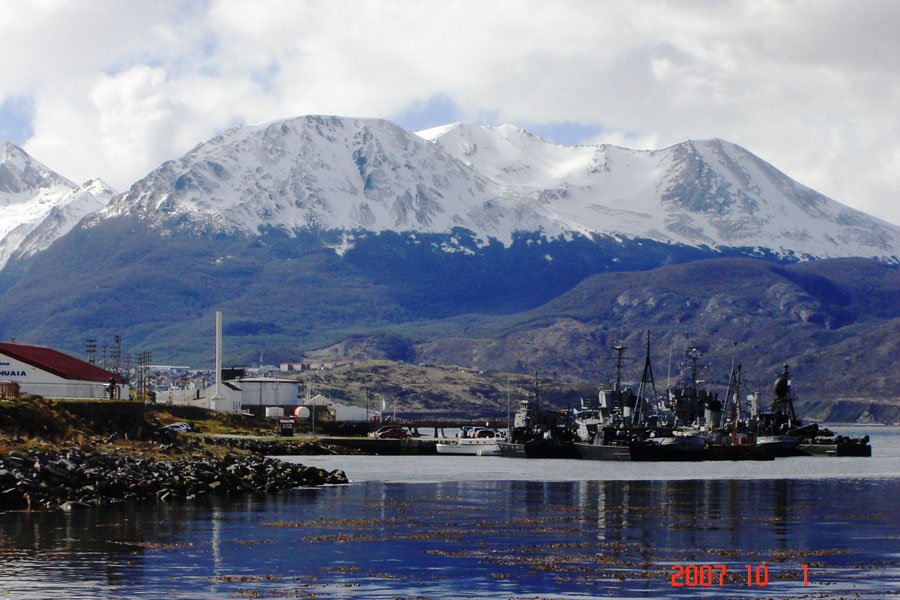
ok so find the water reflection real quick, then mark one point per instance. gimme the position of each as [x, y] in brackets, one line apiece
[489, 538]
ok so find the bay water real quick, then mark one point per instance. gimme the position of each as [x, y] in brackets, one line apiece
[491, 527]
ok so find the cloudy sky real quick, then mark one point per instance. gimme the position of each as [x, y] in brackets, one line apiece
[112, 88]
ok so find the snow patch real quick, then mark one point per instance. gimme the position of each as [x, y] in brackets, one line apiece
[37, 205]
[346, 174]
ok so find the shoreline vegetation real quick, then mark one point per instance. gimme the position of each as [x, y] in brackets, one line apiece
[66, 455]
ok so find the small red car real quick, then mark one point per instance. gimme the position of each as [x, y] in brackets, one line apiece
[390, 432]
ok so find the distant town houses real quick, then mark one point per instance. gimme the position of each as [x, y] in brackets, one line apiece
[313, 366]
[28, 369]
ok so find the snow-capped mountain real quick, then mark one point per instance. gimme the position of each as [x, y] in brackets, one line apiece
[711, 193]
[333, 173]
[37, 205]
[314, 172]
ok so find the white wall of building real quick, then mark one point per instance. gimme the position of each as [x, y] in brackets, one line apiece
[263, 391]
[33, 380]
[343, 412]
[240, 394]
[340, 412]
[193, 397]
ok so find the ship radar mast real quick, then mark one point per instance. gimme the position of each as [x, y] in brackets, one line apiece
[693, 355]
[619, 348]
[784, 399]
[618, 401]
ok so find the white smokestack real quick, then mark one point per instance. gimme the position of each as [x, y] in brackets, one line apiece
[216, 394]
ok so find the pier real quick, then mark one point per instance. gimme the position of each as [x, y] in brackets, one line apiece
[416, 426]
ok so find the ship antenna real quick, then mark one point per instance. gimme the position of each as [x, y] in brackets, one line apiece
[733, 350]
[648, 375]
[619, 347]
[669, 367]
[736, 411]
[693, 355]
[732, 394]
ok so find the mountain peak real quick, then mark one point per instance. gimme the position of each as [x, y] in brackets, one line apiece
[21, 175]
[314, 172]
[348, 174]
[38, 204]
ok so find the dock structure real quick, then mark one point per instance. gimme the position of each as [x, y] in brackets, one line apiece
[438, 425]
[392, 447]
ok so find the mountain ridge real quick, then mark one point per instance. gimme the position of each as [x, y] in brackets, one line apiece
[38, 205]
[699, 181]
[353, 175]
[350, 175]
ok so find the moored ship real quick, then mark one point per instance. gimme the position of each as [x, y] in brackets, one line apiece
[689, 423]
[791, 437]
[632, 427]
[480, 442]
[538, 432]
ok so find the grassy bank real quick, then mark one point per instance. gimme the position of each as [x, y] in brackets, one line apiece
[35, 422]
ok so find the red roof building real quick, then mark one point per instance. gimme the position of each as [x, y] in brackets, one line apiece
[48, 372]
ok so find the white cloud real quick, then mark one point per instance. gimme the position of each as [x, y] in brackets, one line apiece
[811, 86]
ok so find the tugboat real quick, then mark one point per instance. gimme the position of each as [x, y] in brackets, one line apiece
[733, 436]
[607, 436]
[791, 437]
[778, 428]
[538, 433]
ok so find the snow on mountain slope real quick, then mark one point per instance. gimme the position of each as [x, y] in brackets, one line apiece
[334, 173]
[38, 205]
[711, 193]
[322, 173]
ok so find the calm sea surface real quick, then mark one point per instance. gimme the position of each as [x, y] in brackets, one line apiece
[490, 527]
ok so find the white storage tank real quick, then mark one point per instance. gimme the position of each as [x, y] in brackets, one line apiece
[268, 391]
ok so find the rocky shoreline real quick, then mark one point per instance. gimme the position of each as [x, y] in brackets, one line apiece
[341, 446]
[73, 478]
[278, 447]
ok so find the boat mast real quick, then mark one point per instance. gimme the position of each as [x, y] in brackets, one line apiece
[647, 375]
[508, 420]
[732, 395]
[693, 355]
[619, 348]
[669, 367]
[735, 409]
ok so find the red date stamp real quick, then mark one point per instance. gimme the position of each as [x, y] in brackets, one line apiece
[708, 575]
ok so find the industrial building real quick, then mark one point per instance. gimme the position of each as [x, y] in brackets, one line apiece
[334, 411]
[46, 372]
[236, 393]
[255, 394]
[233, 391]
[261, 395]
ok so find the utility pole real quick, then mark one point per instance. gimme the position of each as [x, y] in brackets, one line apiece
[116, 354]
[91, 349]
[312, 407]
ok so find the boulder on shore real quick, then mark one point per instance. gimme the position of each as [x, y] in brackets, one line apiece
[68, 479]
